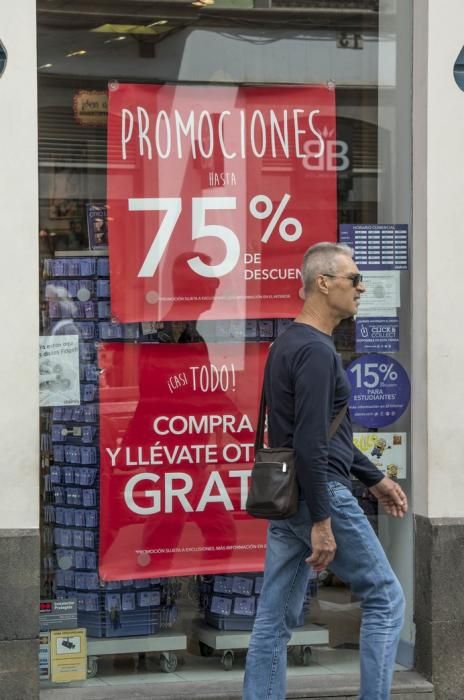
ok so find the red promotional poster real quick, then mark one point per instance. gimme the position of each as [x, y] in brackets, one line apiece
[177, 429]
[214, 194]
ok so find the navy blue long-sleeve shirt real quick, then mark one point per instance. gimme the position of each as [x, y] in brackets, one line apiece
[305, 387]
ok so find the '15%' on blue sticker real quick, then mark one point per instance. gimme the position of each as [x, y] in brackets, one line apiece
[380, 390]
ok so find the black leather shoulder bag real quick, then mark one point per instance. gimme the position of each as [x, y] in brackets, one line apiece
[274, 490]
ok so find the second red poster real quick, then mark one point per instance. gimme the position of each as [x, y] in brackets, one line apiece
[177, 429]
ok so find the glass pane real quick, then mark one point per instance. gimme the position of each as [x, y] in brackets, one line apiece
[189, 155]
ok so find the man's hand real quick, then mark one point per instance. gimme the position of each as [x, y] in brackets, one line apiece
[323, 545]
[391, 496]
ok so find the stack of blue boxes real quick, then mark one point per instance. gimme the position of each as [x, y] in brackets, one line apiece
[229, 601]
[76, 298]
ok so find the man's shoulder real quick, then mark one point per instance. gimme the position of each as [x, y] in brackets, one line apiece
[299, 337]
[317, 352]
[299, 346]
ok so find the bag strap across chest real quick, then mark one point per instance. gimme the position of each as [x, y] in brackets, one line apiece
[259, 440]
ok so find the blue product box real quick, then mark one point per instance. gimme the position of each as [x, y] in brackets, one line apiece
[220, 605]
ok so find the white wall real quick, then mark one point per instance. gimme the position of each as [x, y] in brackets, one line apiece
[438, 281]
[19, 452]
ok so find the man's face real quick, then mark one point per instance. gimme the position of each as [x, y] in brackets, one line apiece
[343, 296]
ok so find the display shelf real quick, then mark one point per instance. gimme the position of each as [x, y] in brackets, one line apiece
[211, 640]
[80, 253]
[165, 643]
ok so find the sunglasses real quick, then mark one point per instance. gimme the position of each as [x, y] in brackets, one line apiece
[355, 279]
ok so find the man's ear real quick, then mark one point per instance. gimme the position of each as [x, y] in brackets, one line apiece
[321, 284]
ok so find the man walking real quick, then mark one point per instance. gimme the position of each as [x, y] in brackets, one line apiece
[306, 387]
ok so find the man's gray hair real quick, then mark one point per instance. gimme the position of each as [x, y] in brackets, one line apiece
[321, 259]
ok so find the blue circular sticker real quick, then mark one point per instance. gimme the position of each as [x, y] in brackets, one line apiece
[380, 390]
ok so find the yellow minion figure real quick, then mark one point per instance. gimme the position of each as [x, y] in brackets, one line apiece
[379, 447]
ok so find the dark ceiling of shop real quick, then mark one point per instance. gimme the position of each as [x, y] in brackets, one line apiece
[86, 14]
[79, 37]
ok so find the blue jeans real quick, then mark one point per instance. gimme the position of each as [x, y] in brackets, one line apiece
[359, 561]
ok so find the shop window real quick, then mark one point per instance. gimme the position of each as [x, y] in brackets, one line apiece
[150, 393]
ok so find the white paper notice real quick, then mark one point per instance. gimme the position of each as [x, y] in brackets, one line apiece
[59, 370]
[376, 312]
[382, 293]
[386, 450]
